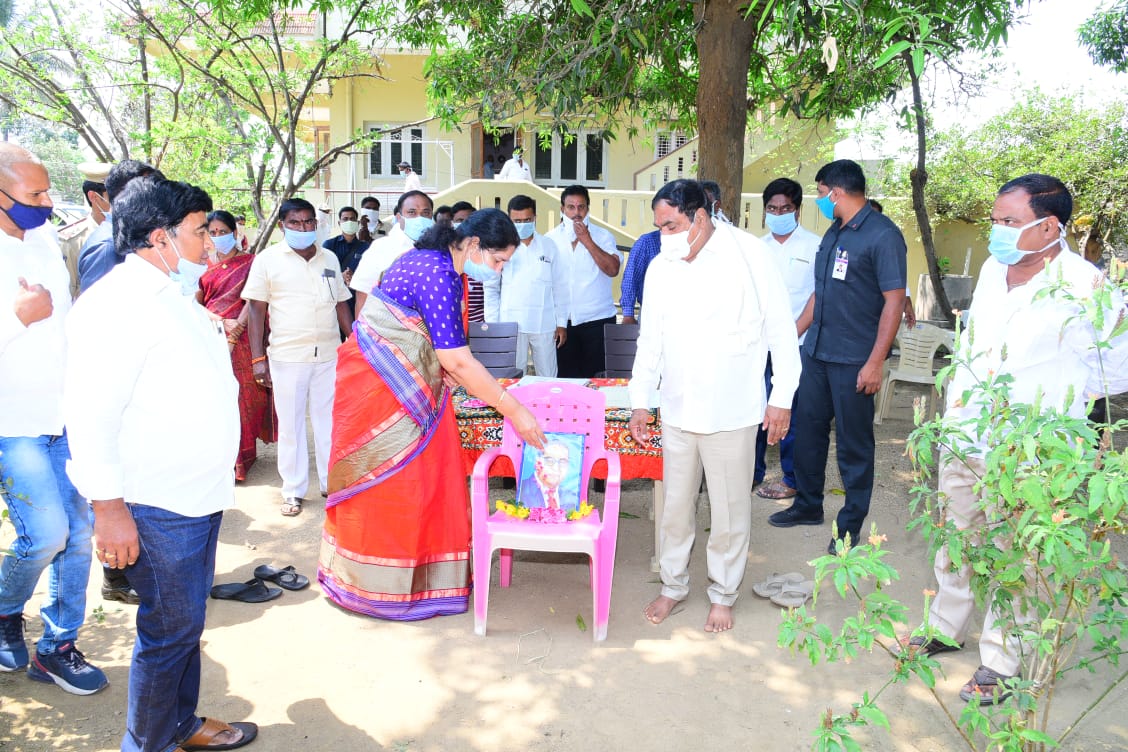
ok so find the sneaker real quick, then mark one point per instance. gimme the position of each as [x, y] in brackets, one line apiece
[68, 668]
[13, 649]
[986, 687]
[793, 516]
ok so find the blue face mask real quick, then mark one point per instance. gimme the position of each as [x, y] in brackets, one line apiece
[224, 243]
[826, 206]
[414, 227]
[299, 240]
[479, 272]
[782, 224]
[26, 216]
[525, 230]
[1003, 242]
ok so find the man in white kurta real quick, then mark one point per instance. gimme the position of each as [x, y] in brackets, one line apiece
[1017, 329]
[792, 250]
[51, 521]
[152, 409]
[516, 168]
[591, 260]
[530, 291]
[715, 307]
[411, 218]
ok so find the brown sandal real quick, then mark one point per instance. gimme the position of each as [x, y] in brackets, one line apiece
[205, 736]
[777, 489]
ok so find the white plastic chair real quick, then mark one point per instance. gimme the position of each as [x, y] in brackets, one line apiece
[918, 348]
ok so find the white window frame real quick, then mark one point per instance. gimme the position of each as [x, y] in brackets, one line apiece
[387, 169]
[581, 160]
[667, 142]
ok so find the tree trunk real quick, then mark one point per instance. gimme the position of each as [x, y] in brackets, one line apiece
[724, 53]
[918, 177]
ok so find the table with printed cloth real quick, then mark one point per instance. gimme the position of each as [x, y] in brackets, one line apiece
[479, 429]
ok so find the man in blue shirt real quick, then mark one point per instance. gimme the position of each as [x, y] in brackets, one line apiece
[98, 256]
[854, 314]
[645, 249]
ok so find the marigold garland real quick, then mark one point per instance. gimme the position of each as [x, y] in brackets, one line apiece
[540, 514]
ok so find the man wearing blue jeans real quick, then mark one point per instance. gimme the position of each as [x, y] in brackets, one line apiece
[52, 521]
[152, 410]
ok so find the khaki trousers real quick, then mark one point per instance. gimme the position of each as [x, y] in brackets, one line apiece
[954, 604]
[726, 457]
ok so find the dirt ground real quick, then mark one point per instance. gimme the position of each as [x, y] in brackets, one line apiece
[315, 677]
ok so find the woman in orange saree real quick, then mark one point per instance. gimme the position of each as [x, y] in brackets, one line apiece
[396, 542]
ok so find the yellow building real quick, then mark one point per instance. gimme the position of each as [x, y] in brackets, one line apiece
[621, 174]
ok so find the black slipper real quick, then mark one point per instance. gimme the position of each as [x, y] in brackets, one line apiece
[286, 577]
[251, 591]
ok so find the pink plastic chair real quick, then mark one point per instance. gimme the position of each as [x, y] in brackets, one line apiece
[562, 408]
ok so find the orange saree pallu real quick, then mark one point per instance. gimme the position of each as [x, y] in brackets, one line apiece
[396, 542]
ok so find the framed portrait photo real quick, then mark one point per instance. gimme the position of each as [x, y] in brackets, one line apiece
[550, 478]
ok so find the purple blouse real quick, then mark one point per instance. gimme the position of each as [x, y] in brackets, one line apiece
[425, 281]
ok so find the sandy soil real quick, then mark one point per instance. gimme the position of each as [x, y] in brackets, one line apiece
[317, 678]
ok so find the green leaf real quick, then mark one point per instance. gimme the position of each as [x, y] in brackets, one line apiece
[581, 7]
[874, 715]
[580, 623]
[896, 49]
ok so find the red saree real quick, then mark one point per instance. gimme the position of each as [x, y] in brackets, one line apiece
[222, 286]
[396, 543]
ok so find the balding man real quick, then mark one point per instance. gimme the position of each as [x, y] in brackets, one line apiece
[1031, 322]
[715, 309]
[52, 522]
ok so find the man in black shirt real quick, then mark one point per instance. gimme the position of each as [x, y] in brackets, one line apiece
[854, 313]
[347, 247]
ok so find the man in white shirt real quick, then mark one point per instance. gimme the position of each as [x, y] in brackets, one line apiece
[715, 308]
[411, 181]
[413, 217]
[152, 411]
[52, 522]
[792, 250]
[590, 260]
[1020, 327]
[529, 292]
[299, 285]
[516, 168]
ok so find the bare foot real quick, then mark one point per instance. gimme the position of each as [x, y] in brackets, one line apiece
[659, 609]
[720, 618]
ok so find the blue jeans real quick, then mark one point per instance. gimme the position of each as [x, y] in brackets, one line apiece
[173, 576]
[786, 444]
[828, 391]
[53, 529]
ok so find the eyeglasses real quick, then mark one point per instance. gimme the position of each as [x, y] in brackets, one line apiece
[297, 224]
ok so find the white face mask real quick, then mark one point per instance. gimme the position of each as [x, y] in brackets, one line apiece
[676, 243]
[373, 217]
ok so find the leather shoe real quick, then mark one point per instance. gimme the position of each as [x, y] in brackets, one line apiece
[793, 516]
[124, 594]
